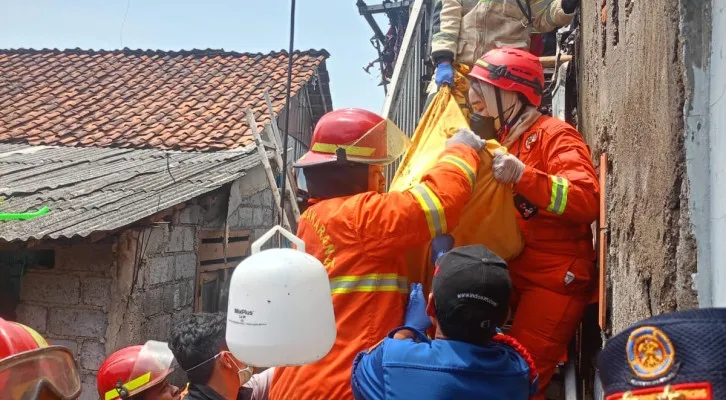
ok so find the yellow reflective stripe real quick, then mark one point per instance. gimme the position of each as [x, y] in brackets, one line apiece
[432, 208]
[369, 283]
[35, 335]
[130, 386]
[463, 166]
[558, 197]
[349, 150]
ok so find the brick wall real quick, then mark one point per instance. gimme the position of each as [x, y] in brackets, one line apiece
[102, 297]
[69, 304]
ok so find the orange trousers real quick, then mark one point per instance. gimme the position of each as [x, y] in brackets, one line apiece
[551, 293]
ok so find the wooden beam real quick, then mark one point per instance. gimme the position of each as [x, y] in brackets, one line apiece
[551, 61]
[291, 186]
[252, 123]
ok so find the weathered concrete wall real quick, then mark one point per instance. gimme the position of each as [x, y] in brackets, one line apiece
[69, 304]
[632, 94]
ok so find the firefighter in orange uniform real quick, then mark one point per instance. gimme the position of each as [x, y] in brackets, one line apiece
[556, 193]
[138, 372]
[360, 234]
[30, 369]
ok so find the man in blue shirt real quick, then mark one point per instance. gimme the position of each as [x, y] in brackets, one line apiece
[469, 358]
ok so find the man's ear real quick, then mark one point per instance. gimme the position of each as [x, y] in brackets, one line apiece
[226, 360]
[431, 307]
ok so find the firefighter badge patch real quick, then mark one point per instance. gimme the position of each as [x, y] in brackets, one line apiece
[531, 139]
[650, 353]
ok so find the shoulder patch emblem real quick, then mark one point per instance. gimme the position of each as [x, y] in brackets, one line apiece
[530, 140]
[650, 352]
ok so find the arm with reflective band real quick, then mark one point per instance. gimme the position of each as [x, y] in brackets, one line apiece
[396, 221]
[569, 186]
[369, 283]
[445, 29]
[548, 15]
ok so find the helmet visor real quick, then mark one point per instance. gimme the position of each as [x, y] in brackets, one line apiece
[153, 364]
[51, 368]
[381, 145]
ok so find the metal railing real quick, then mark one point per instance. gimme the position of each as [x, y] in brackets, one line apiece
[407, 91]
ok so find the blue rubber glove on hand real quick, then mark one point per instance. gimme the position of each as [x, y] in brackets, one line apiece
[416, 311]
[444, 74]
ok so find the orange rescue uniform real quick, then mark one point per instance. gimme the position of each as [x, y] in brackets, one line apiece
[361, 240]
[554, 276]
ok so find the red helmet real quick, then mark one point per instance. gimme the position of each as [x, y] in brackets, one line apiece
[133, 369]
[16, 338]
[512, 69]
[358, 135]
[30, 368]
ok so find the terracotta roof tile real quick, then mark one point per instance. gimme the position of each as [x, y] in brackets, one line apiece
[187, 100]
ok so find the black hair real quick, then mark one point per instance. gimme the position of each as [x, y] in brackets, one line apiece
[453, 324]
[195, 340]
[327, 181]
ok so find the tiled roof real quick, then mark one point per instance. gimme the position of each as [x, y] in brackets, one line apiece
[170, 100]
[102, 189]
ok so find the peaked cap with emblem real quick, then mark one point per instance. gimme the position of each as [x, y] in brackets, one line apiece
[673, 356]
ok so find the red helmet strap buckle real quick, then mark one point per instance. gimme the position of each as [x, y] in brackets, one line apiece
[121, 389]
[500, 71]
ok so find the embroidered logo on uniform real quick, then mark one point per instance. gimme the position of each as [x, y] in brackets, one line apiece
[690, 391]
[531, 139]
[650, 352]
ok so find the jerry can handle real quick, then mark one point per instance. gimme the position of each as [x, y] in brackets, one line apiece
[257, 244]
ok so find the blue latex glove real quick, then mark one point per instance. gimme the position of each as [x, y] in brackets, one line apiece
[440, 245]
[444, 74]
[416, 311]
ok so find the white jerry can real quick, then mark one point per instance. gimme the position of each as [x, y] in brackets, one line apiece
[280, 310]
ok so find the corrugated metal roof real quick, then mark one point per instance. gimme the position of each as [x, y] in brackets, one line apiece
[100, 189]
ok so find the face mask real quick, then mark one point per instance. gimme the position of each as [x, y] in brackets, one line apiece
[483, 126]
[244, 374]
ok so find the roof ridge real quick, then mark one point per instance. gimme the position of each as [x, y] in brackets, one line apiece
[149, 52]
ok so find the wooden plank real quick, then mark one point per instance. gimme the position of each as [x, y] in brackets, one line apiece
[602, 244]
[266, 164]
[214, 267]
[237, 249]
[551, 61]
[211, 251]
[277, 138]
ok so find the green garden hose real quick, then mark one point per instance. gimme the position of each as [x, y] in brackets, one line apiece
[23, 216]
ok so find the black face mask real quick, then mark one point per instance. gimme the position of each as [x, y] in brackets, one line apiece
[483, 126]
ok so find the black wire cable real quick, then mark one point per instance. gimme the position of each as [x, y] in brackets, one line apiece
[287, 112]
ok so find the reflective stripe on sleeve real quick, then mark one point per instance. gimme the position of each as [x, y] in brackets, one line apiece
[432, 208]
[558, 197]
[369, 283]
[463, 166]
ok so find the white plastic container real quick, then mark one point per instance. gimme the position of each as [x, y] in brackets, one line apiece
[280, 309]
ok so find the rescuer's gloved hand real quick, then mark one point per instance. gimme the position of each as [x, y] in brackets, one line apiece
[444, 74]
[569, 6]
[467, 137]
[507, 168]
[416, 310]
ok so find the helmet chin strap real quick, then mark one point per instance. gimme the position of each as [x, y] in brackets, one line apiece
[503, 126]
